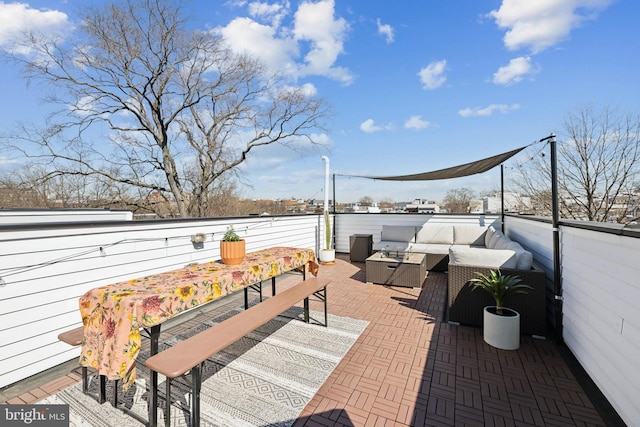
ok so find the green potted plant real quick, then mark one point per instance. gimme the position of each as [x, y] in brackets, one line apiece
[232, 247]
[327, 255]
[501, 325]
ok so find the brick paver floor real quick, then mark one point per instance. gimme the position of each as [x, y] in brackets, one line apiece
[411, 368]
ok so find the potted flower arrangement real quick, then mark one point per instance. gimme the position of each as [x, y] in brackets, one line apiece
[232, 247]
[327, 255]
[501, 326]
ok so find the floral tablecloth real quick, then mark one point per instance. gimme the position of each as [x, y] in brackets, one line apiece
[113, 315]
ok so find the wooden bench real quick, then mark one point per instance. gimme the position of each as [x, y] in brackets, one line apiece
[74, 338]
[190, 354]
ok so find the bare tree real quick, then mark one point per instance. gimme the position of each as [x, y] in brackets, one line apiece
[598, 159]
[458, 200]
[366, 201]
[150, 104]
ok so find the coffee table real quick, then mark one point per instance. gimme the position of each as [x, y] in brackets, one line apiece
[407, 270]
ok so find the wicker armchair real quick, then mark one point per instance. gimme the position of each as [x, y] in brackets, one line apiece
[465, 305]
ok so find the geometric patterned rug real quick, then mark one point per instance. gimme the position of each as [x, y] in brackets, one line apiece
[264, 379]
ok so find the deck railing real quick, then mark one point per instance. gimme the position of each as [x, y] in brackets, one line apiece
[44, 268]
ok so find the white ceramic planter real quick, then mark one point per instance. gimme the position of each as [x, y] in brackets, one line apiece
[502, 332]
[327, 255]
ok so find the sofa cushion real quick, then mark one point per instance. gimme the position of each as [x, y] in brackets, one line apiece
[488, 235]
[469, 235]
[491, 258]
[524, 258]
[432, 233]
[497, 234]
[398, 233]
[501, 242]
[436, 248]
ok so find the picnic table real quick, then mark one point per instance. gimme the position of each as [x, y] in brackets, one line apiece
[113, 315]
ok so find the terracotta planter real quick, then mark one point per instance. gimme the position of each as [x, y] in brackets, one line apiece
[502, 332]
[232, 253]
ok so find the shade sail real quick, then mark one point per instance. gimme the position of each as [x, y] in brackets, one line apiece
[472, 168]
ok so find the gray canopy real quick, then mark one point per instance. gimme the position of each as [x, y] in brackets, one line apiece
[472, 168]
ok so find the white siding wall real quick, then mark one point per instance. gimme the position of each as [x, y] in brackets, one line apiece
[45, 269]
[601, 309]
[33, 216]
[602, 312]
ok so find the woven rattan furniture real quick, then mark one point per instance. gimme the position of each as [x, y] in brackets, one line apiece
[466, 305]
[407, 270]
[360, 247]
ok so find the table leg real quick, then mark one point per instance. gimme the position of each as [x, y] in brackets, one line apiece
[154, 336]
[273, 286]
[102, 390]
[196, 384]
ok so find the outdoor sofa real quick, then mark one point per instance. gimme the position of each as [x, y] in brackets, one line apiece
[464, 250]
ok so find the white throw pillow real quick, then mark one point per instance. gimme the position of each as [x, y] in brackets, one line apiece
[497, 234]
[501, 242]
[489, 235]
[524, 258]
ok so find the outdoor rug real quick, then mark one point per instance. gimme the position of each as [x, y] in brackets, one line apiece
[264, 379]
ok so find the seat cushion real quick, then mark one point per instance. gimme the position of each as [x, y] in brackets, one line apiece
[491, 258]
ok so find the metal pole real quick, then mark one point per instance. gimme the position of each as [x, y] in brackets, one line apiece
[335, 218]
[557, 276]
[334, 193]
[502, 194]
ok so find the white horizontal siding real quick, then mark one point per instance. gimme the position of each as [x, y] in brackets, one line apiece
[602, 312]
[601, 307]
[35, 216]
[45, 270]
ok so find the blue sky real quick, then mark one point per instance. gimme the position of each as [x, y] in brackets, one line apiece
[414, 85]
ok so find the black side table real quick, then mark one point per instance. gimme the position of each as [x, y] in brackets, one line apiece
[360, 247]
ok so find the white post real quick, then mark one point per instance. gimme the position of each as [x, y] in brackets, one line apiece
[325, 159]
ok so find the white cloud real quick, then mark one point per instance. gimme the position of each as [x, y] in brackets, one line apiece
[369, 126]
[309, 45]
[416, 122]
[385, 30]
[271, 12]
[16, 19]
[432, 76]
[261, 41]
[488, 111]
[517, 69]
[540, 24]
[315, 23]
